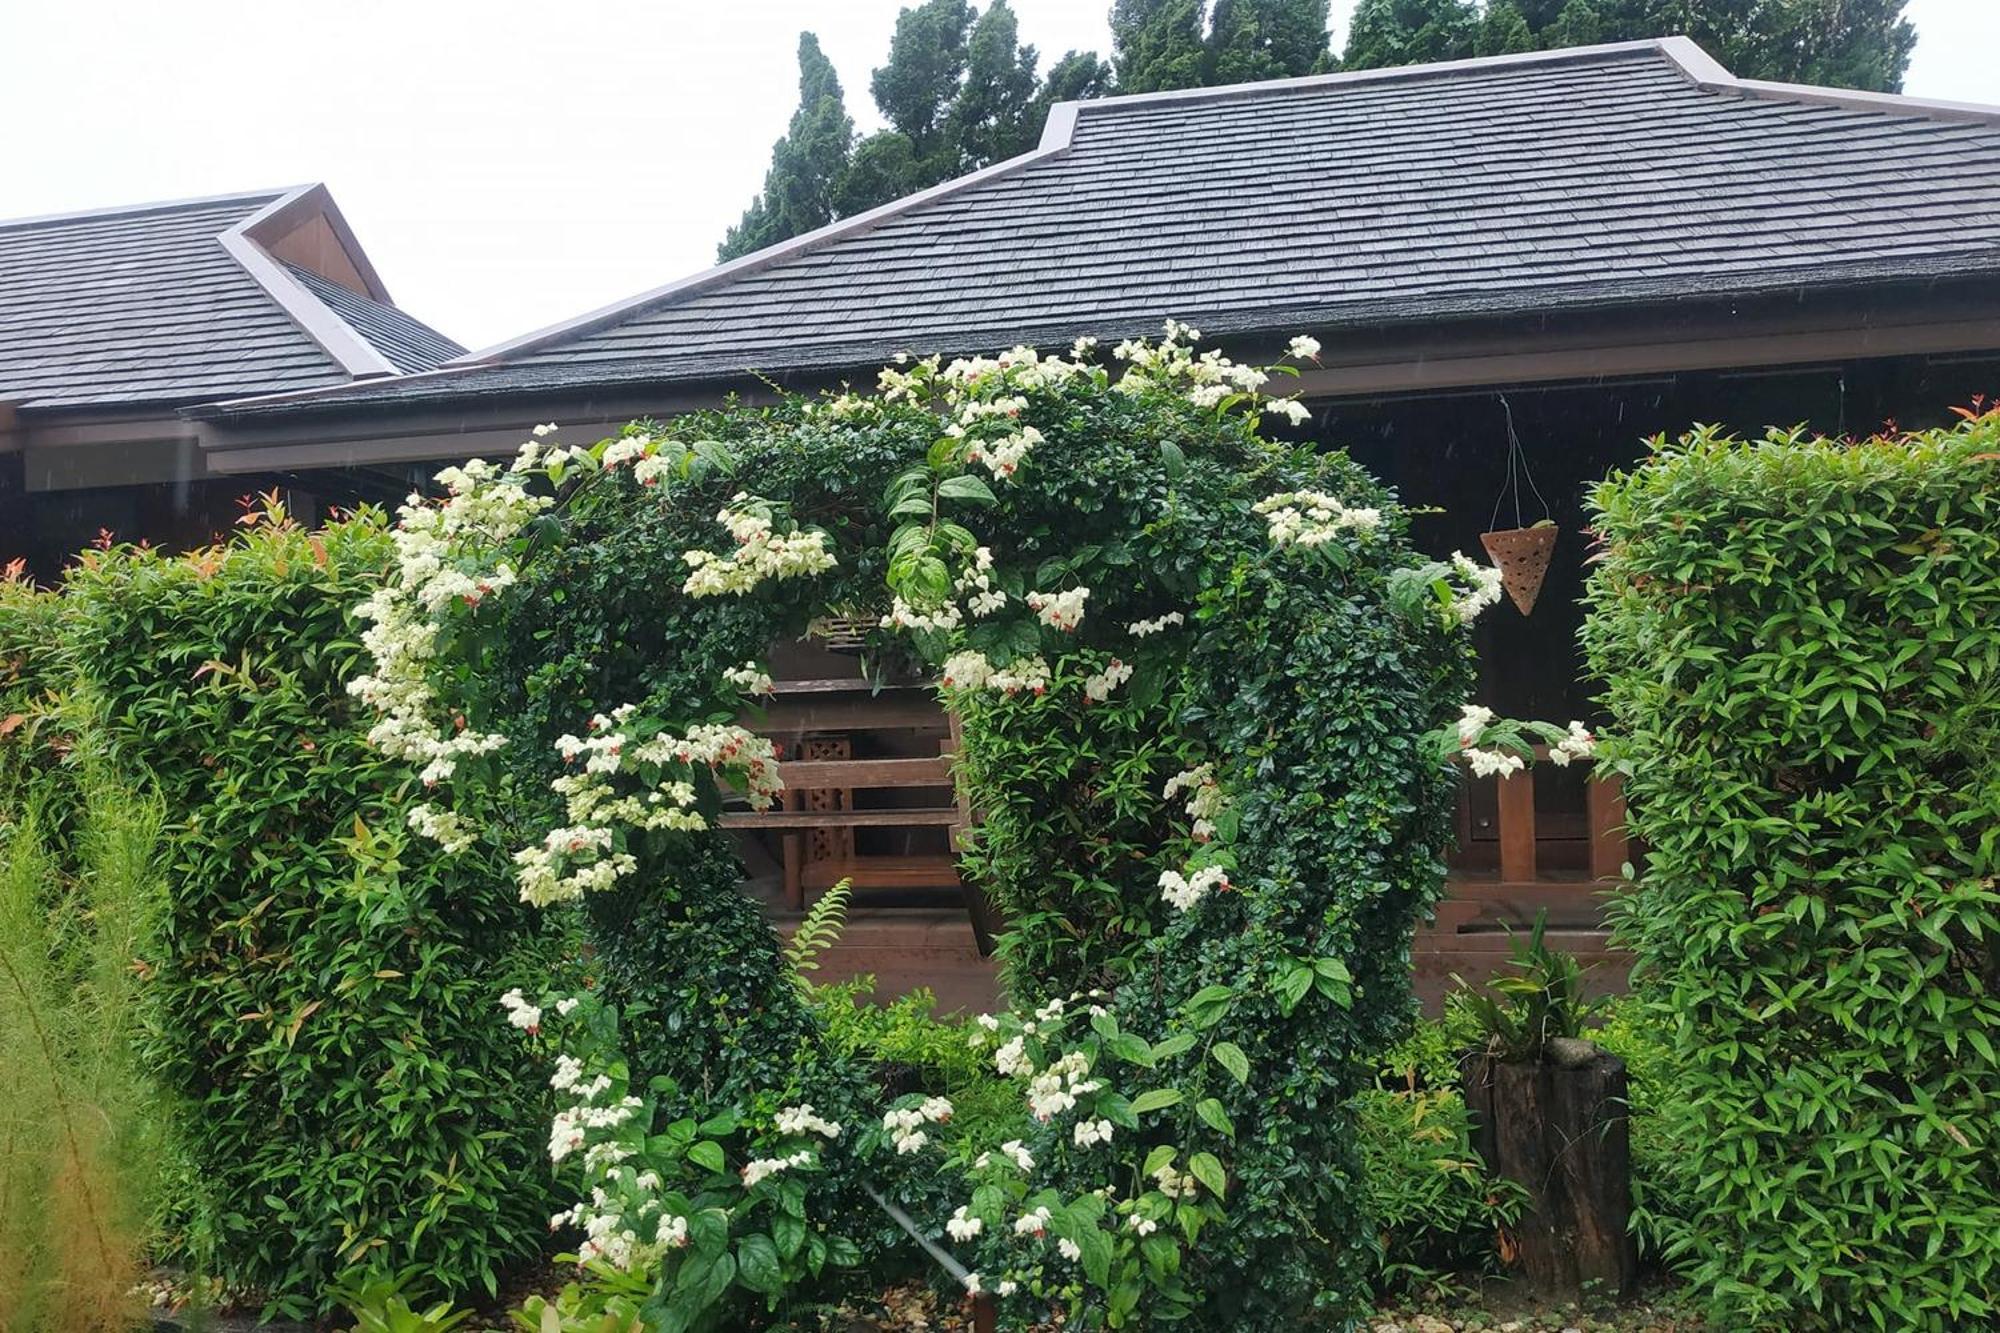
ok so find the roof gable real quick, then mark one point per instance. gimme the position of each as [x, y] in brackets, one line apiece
[182, 302]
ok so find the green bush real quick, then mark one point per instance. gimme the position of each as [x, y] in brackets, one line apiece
[322, 993]
[1800, 640]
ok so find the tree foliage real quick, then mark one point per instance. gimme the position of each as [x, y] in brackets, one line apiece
[801, 187]
[1839, 43]
[1800, 640]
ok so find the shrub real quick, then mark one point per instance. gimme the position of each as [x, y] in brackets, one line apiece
[1250, 681]
[1800, 640]
[321, 996]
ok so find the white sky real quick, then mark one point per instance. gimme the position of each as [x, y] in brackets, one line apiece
[508, 163]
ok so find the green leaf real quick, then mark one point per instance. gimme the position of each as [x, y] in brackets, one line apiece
[757, 1265]
[1156, 1099]
[788, 1233]
[1207, 1168]
[705, 1153]
[969, 488]
[1217, 1119]
[1230, 1056]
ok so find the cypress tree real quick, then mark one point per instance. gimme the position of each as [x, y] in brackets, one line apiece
[992, 118]
[1503, 32]
[806, 164]
[1250, 40]
[1157, 44]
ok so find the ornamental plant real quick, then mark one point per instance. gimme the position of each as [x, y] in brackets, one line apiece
[1800, 642]
[319, 987]
[1208, 698]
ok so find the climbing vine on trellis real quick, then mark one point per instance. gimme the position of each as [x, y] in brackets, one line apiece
[1209, 698]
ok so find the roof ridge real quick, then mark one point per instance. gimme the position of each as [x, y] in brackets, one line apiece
[158, 206]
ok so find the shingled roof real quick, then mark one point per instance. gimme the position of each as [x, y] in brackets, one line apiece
[167, 304]
[1597, 176]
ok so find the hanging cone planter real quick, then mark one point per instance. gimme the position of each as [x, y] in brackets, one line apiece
[1522, 557]
[1520, 553]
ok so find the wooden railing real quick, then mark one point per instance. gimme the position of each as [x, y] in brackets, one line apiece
[1604, 823]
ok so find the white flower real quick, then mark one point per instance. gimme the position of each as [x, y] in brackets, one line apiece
[803, 1120]
[520, 1013]
[1140, 629]
[1011, 1060]
[1098, 688]
[762, 1168]
[1172, 1183]
[1579, 744]
[972, 1284]
[1060, 610]
[1006, 1288]
[1032, 1224]
[963, 1226]
[549, 429]
[1494, 763]
[1184, 891]
[1069, 1249]
[567, 1005]
[1472, 721]
[1313, 518]
[1091, 1132]
[1303, 348]
[1483, 590]
[750, 678]
[673, 1231]
[1143, 1225]
[761, 553]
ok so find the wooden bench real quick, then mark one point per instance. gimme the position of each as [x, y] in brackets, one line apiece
[818, 818]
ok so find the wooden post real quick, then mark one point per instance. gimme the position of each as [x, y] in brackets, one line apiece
[1517, 828]
[1558, 1127]
[1610, 849]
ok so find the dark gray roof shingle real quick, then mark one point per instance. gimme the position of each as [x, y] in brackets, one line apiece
[410, 344]
[1605, 175]
[148, 306]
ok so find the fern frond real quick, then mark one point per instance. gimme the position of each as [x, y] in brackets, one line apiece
[819, 929]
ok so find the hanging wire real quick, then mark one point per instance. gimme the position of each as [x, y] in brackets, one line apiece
[1517, 471]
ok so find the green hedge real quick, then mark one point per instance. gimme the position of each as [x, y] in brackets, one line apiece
[1801, 643]
[322, 996]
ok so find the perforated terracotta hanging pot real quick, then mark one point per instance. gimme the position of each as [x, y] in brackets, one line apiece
[1522, 557]
[1520, 553]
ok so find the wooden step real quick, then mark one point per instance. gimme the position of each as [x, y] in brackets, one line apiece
[927, 817]
[884, 872]
[864, 774]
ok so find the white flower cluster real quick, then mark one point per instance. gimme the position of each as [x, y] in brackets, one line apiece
[906, 1126]
[570, 1129]
[520, 1013]
[759, 1169]
[1578, 744]
[1303, 348]
[1090, 1132]
[1141, 629]
[447, 557]
[1205, 798]
[972, 671]
[1483, 583]
[1055, 1089]
[1184, 891]
[750, 678]
[976, 584]
[761, 553]
[1004, 456]
[1014, 1151]
[1473, 720]
[1034, 1223]
[1494, 763]
[1313, 518]
[962, 1225]
[1060, 610]
[804, 1120]
[1208, 379]
[1097, 688]
[581, 857]
[1173, 1183]
[442, 827]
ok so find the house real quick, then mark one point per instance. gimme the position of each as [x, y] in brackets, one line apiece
[113, 321]
[1517, 267]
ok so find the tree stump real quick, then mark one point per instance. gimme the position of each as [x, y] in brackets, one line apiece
[1559, 1127]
